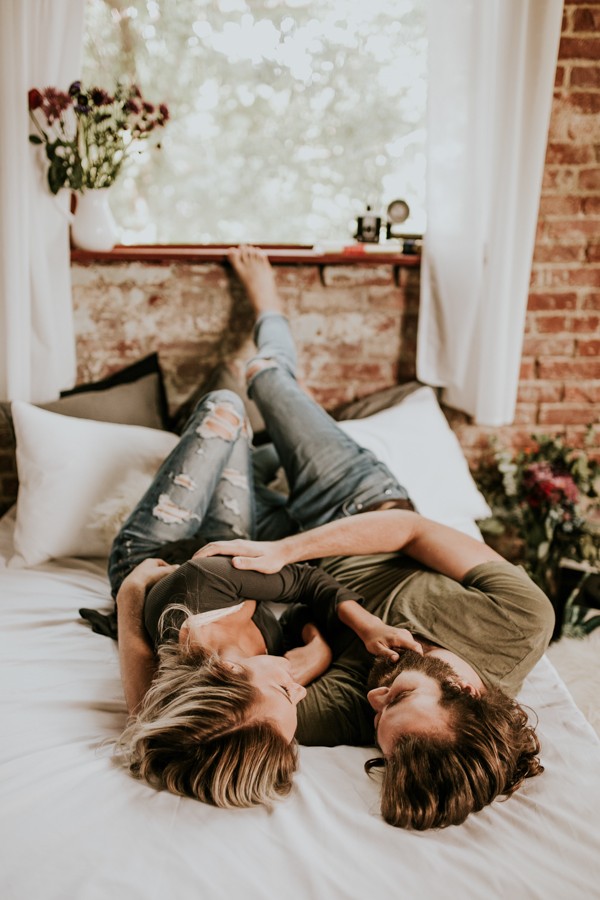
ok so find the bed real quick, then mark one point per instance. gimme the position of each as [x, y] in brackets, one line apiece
[74, 825]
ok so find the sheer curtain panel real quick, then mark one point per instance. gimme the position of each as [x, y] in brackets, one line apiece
[491, 76]
[40, 45]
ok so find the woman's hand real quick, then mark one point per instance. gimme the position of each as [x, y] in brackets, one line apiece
[381, 640]
[311, 660]
[145, 575]
[260, 556]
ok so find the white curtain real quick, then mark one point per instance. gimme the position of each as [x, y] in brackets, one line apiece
[491, 77]
[40, 46]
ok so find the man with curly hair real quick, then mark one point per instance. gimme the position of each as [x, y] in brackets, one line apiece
[451, 735]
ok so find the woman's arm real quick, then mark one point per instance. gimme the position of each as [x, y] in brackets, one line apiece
[136, 655]
[442, 549]
[379, 638]
[312, 659]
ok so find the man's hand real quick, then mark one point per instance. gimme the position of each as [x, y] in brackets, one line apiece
[310, 661]
[267, 557]
[381, 640]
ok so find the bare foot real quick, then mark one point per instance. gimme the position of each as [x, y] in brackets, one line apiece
[253, 268]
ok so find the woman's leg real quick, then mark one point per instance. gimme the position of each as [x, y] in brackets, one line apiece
[202, 491]
[329, 474]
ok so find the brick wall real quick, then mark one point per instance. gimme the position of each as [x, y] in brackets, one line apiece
[355, 326]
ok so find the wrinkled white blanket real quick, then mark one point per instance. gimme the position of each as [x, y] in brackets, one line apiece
[72, 825]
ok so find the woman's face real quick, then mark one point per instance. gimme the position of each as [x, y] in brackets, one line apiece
[279, 694]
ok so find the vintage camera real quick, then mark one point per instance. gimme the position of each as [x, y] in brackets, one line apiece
[368, 227]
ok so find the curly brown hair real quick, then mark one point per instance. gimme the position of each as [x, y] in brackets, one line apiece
[432, 781]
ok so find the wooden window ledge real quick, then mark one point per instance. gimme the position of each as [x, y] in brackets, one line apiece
[362, 254]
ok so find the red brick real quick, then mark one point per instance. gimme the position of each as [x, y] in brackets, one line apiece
[525, 412]
[590, 301]
[548, 346]
[357, 276]
[568, 154]
[579, 48]
[540, 391]
[527, 369]
[571, 231]
[555, 369]
[546, 277]
[582, 391]
[559, 77]
[592, 252]
[547, 324]
[589, 179]
[585, 76]
[585, 323]
[560, 206]
[555, 253]
[584, 277]
[588, 347]
[566, 414]
[387, 298]
[586, 19]
[591, 206]
[567, 300]
[298, 276]
[559, 179]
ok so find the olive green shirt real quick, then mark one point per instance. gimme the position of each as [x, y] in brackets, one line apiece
[496, 619]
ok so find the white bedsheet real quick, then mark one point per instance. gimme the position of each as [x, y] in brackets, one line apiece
[76, 827]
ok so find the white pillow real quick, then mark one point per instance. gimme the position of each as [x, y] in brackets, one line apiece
[416, 443]
[66, 468]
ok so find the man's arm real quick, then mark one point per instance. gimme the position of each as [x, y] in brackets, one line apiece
[136, 656]
[442, 549]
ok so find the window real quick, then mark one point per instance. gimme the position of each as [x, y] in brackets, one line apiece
[287, 117]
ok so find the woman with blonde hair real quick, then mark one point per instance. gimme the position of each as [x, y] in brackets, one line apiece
[212, 700]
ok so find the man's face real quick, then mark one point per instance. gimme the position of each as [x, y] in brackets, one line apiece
[406, 697]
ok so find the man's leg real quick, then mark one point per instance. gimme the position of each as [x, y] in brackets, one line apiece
[328, 473]
[202, 491]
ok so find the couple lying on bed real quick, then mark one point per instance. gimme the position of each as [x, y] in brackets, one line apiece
[218, 706]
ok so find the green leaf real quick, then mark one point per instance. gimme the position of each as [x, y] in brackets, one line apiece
[34, 139]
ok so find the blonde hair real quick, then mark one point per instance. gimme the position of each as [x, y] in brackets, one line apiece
[432, 781]
[194, 735]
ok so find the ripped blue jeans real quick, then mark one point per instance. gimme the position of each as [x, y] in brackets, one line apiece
[213, 487]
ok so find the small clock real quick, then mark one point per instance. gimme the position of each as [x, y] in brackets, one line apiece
[398, 211]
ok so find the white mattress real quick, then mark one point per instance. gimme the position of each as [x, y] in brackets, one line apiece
[74, 826]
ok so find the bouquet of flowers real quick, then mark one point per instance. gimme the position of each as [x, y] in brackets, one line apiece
[544, 498]
[88, 133]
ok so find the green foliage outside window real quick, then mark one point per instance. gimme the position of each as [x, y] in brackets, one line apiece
[287, 118]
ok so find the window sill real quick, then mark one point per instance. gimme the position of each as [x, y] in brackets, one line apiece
[362, 254]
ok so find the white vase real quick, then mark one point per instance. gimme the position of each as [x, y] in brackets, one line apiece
[93, 226]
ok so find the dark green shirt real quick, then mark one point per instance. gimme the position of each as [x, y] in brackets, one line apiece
[496, 619]
[213, 583]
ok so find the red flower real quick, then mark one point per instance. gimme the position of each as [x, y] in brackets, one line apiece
[543, 485]
[35, 99]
